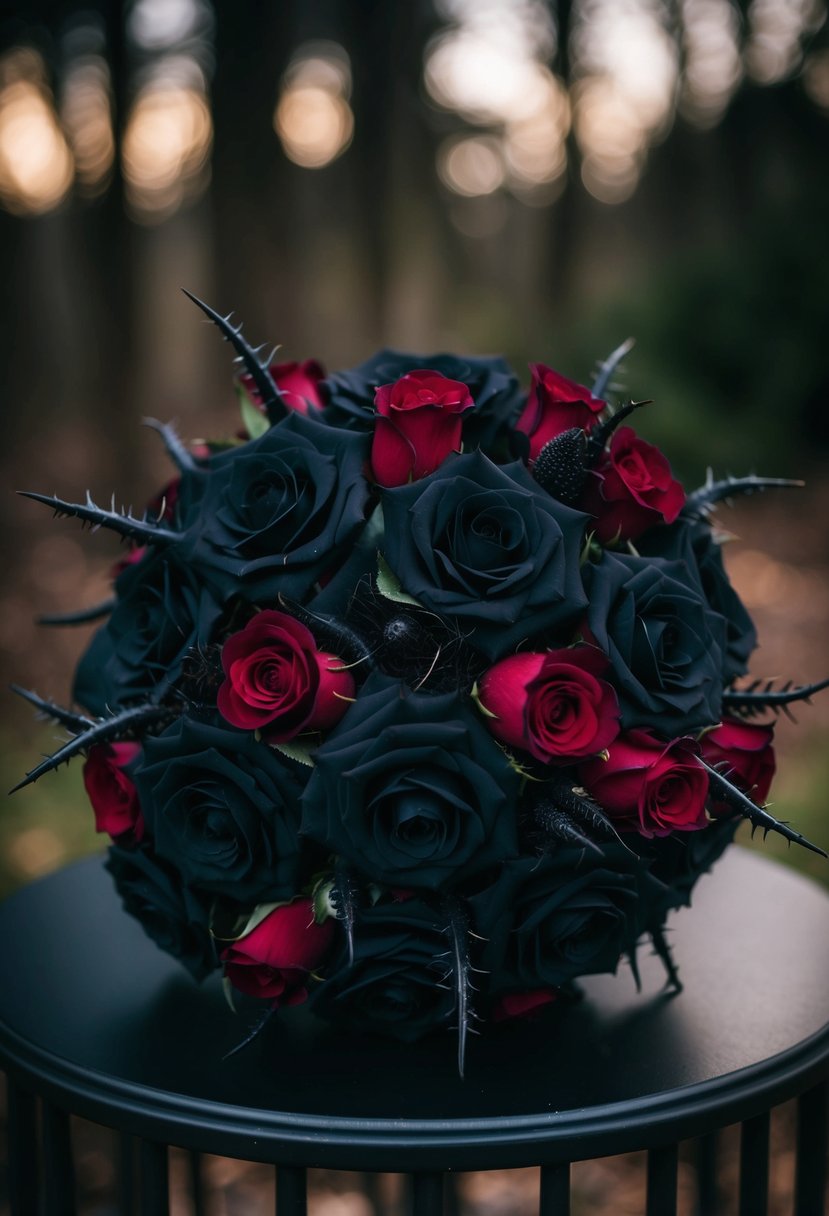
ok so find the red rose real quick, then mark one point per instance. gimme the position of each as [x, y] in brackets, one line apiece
[527, 1005]
[274, 959]
[276, 678]
[553, 705]
[745, 747]
[298, 384]
[632, 489]
[113, 795]
[650, 786]
[555, 404]
[418, 424]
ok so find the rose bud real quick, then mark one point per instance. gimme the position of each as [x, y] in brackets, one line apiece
[111, 792]
[555, 404]
[553, 705]
[418, 424]
[298, 384]
[743, 753]
[631, 489]
[273, 960]
[649, 786]
[278, 682]
[524, 1005]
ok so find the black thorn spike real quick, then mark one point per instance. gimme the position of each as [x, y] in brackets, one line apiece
[124, 525]
[598, 437]
[663, 951]
[556, 827]
[458, 931]
[72, 721]
[610, 365]
[345, 896]
[561, 465]
[329, 634]
[757, 817]
[175, 449]
[255, 1032]
[272, 400]
[755, 700]
[700, 503]
[84, 616]
[101, 731]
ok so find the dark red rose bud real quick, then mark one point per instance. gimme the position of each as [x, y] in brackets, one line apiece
[631, 489]
[278, 682]
[524, 1005]
[745, 749]
[418, 425]
[555, 404]
[112, 793]
[298, 383]
[273, 960]
[649, 786]
[553, 705]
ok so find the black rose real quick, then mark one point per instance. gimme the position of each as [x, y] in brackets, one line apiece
[665, 643]
[162, 613]
[394, 984]
[174, 917]
[695, 543]
[412, 789]
[276, 513]
[548, 921]
[678, 863]
[224, 808]
[485, 545]
[491, 382]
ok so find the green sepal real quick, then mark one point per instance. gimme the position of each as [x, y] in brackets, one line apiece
[476, 697]
[254, 421]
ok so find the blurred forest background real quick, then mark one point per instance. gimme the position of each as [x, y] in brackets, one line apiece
[490, 176]
[538, 179]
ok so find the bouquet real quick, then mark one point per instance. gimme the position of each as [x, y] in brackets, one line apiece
[420, 698]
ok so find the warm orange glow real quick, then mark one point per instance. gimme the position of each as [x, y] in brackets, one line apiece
[816, 78]
[712, 67]
[36, 167]
[166, 148]
[471, 166]
[312, 118]
[87, 119]
[777, 28]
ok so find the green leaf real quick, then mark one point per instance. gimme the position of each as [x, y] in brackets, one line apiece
[253, 420]
[388, 584]
[294, 750]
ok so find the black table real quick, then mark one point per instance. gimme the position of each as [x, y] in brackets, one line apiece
[95, 1020]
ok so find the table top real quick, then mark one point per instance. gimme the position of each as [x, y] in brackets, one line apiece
[94, 1015]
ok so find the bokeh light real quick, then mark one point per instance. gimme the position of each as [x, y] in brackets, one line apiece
[712, 67]
[777, 29]
[86, 115]
[36, 166]
[167, 140]
[313, 119]
[471, 166]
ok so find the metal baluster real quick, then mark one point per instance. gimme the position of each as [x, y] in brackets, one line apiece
[555, 1190]
[155, 1188]
[291, 1191]
[58, 1170]
[812, 1131]
[126, 1175]
[427, 1193]
[754, 1166]
[708, 1193]
[23, 1170]
[196, 1183]
[662, 1172]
